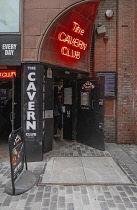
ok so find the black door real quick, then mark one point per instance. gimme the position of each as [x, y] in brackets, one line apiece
[69, 109]
[90, 113]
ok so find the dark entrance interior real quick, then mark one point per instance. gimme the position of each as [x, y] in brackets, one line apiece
[6, 88]
[81, 110]
[64, 108]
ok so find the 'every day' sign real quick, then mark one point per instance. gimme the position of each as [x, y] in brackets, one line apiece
[10, 47]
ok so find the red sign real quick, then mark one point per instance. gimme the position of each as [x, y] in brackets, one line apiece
[7, 73]
[73, 42]
[88, 86]
[68, 41]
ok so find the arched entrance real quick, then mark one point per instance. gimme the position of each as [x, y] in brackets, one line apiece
[64, 48]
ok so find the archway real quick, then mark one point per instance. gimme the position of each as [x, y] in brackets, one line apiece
[67, 42]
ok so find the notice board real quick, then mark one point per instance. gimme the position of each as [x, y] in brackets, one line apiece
[110, 83]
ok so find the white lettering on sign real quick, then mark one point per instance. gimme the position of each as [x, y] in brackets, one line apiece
[31, 67]
[9, 48]
[31, 95]
[31, 86]
[30, 134]
[31, 105]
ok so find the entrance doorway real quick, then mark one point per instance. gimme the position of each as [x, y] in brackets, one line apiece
[90, 112]
[64, 109]
[6, 92]
[80, 111]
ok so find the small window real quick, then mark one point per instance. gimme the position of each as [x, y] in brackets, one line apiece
[9, 16]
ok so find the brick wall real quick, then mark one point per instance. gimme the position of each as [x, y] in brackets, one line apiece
[135, 72]
[119, 54]
[125, 61]
[105, 60]
[110, 132]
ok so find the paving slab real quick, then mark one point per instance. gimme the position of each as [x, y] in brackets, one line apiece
[64, 170]
[103, 170]
[113, 147]
[83, 170]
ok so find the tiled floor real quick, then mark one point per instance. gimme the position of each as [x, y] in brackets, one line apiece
[74, 149]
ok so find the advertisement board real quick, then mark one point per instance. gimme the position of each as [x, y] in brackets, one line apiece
[17, 153]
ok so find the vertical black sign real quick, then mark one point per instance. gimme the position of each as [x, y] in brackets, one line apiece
[32, 101]
[110, 83]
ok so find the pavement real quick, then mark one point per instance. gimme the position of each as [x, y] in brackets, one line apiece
[92, 195]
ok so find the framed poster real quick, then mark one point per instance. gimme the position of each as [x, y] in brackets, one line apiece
[110, 83]
[85, 98]
[68, 96]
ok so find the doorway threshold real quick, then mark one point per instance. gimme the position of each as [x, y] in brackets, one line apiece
[83, 171]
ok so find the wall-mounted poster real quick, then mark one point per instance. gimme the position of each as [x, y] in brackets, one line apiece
[85, 98]
[110, 83]
[68, 96]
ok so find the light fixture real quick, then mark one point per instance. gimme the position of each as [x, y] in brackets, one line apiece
[101, 29]
[109, 14]
[67, 72]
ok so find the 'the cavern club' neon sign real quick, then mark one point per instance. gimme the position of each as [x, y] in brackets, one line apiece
[72, 41]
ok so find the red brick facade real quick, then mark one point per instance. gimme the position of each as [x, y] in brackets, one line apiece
[106, 60]
[125, 100]
[118, 54]
[135, 72]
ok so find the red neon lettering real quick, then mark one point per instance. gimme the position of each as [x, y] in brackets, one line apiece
[7, 74]
[60, 36]
[63, 37]
[70, 53]
[77, 29]
[75, 42]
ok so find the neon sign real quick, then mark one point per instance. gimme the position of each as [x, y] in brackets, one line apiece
[76, 28]
[63, 37]
[70, 53]
[75, 42]
[7, 73]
